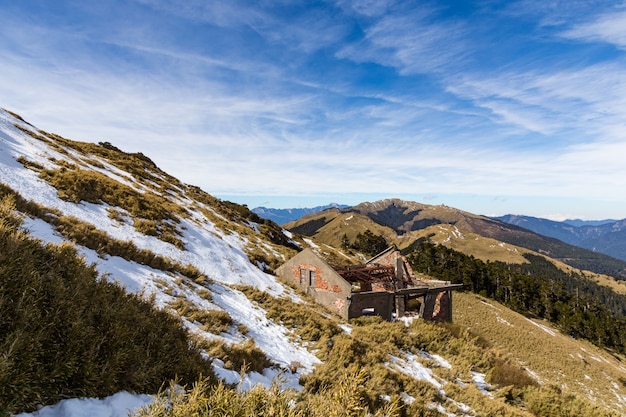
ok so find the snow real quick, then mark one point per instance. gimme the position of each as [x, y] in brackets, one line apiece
[503, 321]
[311, 243]
[534, 375]
[441, 361]
[118, 405]
[347, 329]
[542, 327]
[412, 367]
[481, 384]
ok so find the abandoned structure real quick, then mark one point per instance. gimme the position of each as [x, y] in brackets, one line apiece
[385, 286]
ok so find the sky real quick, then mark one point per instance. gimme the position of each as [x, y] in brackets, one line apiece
[492, 107]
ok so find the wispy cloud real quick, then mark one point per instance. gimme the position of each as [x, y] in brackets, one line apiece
[609, 28]
[410, 40]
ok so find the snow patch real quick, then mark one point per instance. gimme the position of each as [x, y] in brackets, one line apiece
[481, 384]
[121, 404]
[412, 367]
[542, 327]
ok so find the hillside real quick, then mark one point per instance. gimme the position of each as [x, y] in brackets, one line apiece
[403, 222]
[208, 263]
[607, 237]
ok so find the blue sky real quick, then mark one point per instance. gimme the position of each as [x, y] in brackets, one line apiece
[492, 107]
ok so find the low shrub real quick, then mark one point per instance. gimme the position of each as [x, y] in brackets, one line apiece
[204, 400]
[550, 401]
[212, 321]
[505, 374]
[66, 333]
[30, 164]
[304, 319]
[241, 357]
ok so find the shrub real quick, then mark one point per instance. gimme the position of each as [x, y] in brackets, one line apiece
[550, 401]
[67, 333]
[241, 357]
[29, 164]
[213, 321]
[504, 374]
[76, 185]
[204, 400]
[304, 319]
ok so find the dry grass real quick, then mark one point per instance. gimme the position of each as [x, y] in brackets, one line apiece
[576, 366]
[67, 333]
[483, 248]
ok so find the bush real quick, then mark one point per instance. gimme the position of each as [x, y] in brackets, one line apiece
[204, 400]
[66, 333]
[550, 401]
[504, 374]
[303, 319]
[241, 357]
[213, 321]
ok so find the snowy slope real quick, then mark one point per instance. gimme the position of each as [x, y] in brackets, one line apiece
[220, 256]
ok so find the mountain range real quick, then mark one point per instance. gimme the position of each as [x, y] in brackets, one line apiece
[209, 264]
[282, 216]
[608, 237]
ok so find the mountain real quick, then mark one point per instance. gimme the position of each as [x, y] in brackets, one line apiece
[403, 222]
[607, 237]
[579, 222]
[74, 212]
[282, 216]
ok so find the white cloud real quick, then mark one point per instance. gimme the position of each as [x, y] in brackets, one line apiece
[410, 41]
[609, 28]
[591, 99]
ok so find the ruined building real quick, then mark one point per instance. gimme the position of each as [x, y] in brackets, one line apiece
[385, 286]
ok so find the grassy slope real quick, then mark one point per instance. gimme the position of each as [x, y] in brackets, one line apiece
[575, 366]
[330, 226]
[66, 333]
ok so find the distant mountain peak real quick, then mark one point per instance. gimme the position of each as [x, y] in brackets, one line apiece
[286, 215]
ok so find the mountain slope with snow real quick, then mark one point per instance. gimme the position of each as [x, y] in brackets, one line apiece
[194, 254]
[220, 254]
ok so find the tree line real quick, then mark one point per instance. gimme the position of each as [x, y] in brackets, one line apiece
[580, 307]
